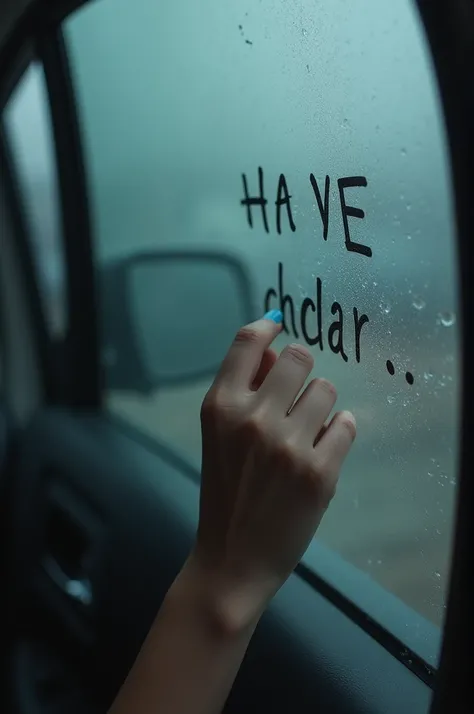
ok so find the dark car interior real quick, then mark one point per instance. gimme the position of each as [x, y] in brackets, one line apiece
[97, 517]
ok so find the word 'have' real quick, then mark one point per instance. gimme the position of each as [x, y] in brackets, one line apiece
[283, 199]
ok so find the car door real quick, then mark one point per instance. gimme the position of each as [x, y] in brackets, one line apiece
[169, 172]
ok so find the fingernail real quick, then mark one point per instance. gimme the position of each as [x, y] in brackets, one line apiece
[275, 315]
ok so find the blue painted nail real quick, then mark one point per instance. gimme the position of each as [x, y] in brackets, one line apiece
[275, 315]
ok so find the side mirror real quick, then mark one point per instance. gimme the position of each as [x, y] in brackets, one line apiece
[168, 317]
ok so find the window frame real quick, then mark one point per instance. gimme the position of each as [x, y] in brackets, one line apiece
[447, 27]
[71, 367]
[32, 290]
[83, 370]
[449, 31]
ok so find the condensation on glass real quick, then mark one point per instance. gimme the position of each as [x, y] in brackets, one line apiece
[28, 128]
[182, 103]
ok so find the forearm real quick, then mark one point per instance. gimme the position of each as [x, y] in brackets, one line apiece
[190, 658]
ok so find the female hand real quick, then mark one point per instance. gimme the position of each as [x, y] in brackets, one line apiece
[270, 466]
[269, 471]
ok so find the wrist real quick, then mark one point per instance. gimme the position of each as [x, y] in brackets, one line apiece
[228, 609]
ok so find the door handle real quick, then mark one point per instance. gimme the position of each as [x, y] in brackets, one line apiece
[77, 589]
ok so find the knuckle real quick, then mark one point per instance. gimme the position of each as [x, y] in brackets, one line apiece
[247, 335]
[293, 440]
[285, 456]
[214, 403]
[208, 407]
[326, 386]
[299, 354]
[252, 428]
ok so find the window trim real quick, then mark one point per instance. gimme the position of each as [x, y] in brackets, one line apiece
[448, 25]
[82, 363]
[19, 28]
[33, 297]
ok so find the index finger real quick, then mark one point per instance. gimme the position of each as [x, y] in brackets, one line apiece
[241, 363]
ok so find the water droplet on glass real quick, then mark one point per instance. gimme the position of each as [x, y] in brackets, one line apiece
[447, 318]
[304, 32]
[374, 284]
[345, 123]
[403, 151]
[418, 303]
[385, 308]
[427, 376]
[437, 574]
[390, 400]
[408, 236]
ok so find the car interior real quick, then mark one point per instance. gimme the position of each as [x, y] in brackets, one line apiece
[170, 171]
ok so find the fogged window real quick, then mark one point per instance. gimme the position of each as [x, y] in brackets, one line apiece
[306, 140]
[28, 127]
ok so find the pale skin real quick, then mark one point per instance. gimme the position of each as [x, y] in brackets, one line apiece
[271, 461]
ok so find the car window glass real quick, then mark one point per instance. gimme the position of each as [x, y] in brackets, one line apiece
[307, 145]
[28, 129]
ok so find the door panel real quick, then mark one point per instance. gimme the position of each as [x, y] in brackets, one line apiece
[101, 525]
